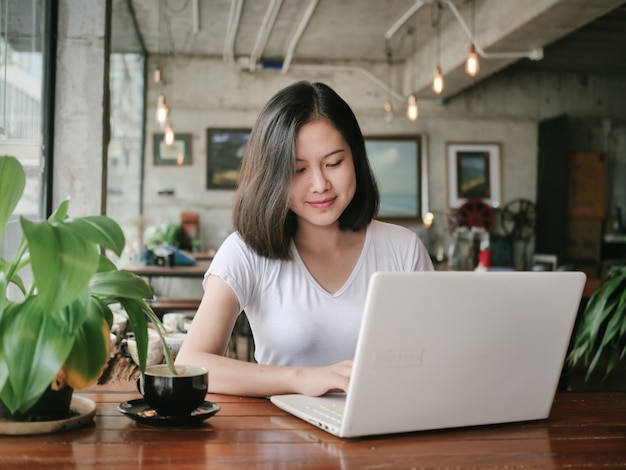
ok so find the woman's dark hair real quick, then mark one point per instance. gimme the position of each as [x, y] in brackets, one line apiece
[261, 211]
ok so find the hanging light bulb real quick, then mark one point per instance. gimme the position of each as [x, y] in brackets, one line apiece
[438, 81]
[471, 65]
[411, 111]
[158, 76]
[162, 111]
[388, 111]
[169, 135]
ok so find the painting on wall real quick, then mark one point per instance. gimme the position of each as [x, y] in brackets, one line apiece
[225, 148]
[473, 173]
[395, 162]
[176, 153]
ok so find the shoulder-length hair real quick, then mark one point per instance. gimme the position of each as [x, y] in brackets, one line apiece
[261, 211]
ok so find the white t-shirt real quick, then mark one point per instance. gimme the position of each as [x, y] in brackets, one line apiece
[293, 319]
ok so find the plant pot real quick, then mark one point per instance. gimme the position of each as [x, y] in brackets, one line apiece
[52, 405]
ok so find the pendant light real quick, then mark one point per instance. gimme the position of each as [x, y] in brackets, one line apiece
[471, 64]
[388, 105]
[438, 81]
[169, 134]
[438, 76]
[162, 111]
[412, 113]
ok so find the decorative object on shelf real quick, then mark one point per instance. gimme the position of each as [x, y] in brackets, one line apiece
[476, 213]
[397, 166]
[600, 339]
[176, 153]
[55, 330]
[518, 218]
[225, 149]
[473, 173]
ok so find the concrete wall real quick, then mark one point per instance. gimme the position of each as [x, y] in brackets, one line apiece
[505, 108]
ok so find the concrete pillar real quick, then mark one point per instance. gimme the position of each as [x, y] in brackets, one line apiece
[81, 115]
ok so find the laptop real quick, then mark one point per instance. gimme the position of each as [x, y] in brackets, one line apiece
[451, 349]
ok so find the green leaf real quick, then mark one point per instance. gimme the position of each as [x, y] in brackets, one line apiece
[100, 230]
[34, 349]
[138, 311]
[106, 264]
[12, 184]
[602, 329]
[91, 346]
[72, 316]
[115, 285]
[62, 262]
[60, 214]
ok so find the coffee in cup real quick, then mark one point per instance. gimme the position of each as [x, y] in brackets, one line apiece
[174, 395]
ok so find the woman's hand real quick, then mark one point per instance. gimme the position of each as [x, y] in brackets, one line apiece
[316, 381]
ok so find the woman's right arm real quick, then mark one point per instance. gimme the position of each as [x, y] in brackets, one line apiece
[207, 342]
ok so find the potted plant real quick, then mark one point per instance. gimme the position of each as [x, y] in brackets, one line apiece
[55, 334]
[602, 329]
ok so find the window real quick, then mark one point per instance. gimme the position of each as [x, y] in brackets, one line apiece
[25, 41]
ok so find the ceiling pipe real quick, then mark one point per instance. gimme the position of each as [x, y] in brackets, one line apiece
[264, 32]
[195, 17]
[296, 38]
[231, 32]
[404, 18]
[351, 68]
[534, 54]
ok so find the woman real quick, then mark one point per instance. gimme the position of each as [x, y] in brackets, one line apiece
[302, 254]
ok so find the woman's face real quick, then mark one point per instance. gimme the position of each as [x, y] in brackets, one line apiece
[325, 181]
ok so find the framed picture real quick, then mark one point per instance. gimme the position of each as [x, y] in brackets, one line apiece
[176, 153]
[473, 173]
[225, 148]
[396, 164]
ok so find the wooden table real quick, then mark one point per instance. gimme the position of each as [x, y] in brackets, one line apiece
[152, 270]
[162, 305]
[585, 430]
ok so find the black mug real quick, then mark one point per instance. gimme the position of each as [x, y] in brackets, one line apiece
[174, 395]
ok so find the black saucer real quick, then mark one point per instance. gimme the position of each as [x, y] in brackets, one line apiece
[140, 411]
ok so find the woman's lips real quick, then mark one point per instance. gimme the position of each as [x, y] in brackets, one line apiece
[322, 204]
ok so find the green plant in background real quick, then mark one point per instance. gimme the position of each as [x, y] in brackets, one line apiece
[167, 234]
[57, 331]
[603, 325]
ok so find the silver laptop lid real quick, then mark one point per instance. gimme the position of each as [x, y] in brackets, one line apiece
[448, 349]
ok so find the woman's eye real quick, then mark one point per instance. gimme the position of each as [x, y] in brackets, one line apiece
[299, 170]
[336, 164]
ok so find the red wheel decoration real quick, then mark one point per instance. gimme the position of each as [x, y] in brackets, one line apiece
[475, 213]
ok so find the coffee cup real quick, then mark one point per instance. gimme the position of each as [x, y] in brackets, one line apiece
[174, 395]
[174, 342]
[128, 348]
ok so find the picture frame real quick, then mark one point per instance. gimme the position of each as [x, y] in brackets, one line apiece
[396, 162]
[225, 149]
[473, 173]
[177, 153]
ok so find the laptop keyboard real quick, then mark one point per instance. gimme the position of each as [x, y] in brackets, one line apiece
[331, 413]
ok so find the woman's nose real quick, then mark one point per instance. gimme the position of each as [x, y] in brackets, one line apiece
[319, 181]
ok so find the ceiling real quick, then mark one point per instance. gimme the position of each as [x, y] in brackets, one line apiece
[573, 35]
